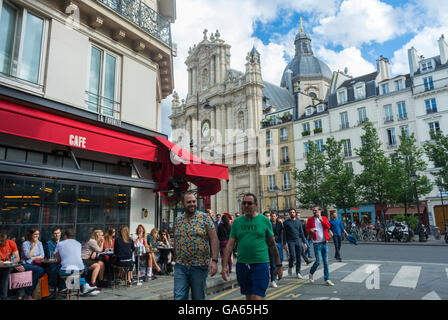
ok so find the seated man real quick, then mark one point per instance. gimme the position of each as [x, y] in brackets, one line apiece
[49, 248]
[68, 253]
[8, 252]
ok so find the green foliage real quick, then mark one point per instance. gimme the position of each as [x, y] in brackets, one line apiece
[437, 151]
[399, 217]
[412, 221]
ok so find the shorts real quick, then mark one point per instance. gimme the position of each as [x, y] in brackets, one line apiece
[253, 278]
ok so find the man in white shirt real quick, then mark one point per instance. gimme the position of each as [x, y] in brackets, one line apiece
[68, 253]
[318, 226]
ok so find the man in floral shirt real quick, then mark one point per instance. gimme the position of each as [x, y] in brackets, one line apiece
[194, 234]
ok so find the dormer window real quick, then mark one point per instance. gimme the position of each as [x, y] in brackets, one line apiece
[309, 111]
[427, 65]
[360, 93]
[320, 108]
[342, 97]
[385, 88]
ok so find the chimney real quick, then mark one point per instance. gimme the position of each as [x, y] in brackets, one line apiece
[383, 67]
[443, 50]
[413, 61]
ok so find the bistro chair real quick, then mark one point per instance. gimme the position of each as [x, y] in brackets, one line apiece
[123, 271]
[72, 285]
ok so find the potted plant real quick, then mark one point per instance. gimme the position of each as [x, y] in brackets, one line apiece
[306, 133]
[318, 130]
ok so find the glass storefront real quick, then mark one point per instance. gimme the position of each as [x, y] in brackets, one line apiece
[28, 202]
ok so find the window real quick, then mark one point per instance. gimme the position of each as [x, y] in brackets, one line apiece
[268, 137]
[306, 147]
[426, 66]
[428, 83]
[349, 165]
[286, 181]
[391, 137]
[270, 158]
[320, 108]
[342, 97]
[431, 106]
[309, 111]
[271, 182]
[347, 148]
[398, 84]
[103, 87]
[285, 154]
[344, 120]
[362, 114]
[360, 92]
[274, 204]
[22, 43]
[388, 115]
[318, 124]
[402, 114]
[306, 126]
[320, 145]
[287, 204]
[404, 131]
[385, 88]
[283, 134]
[434, 128]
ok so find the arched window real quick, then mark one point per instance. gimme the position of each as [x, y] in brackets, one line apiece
[205, 79]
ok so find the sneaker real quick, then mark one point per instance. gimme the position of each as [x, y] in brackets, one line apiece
[87, 288]
[299, 276]
[290, 272]
[94, 293]
[274, 284]
[309, 261]
[329, 283]
[339, 259]
[310, 278]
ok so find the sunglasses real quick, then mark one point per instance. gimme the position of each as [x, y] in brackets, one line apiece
[247, 203]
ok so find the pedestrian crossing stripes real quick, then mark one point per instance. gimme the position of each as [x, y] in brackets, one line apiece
[407, 277]
[361, 274]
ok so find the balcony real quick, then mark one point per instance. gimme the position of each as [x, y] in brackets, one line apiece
[142, 15]
[344, 125]
[432, 110]
[109, 109]
[388, 119]
[306, 133]
[403, 116]
[430, 86]
[285, 160]
[317, 130]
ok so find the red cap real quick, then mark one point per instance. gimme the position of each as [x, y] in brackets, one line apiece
[229, 215]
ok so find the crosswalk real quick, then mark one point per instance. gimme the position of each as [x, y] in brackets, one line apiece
[427, 281]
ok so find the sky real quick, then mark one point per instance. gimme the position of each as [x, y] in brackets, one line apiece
[349, 34]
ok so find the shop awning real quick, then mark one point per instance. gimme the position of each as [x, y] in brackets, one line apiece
[178, 167]
[35, 124]
[401, 210]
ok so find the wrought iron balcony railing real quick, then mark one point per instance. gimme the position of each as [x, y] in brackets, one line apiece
[139, 13]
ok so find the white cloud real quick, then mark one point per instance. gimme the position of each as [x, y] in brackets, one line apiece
[359, 22]
[350, 58]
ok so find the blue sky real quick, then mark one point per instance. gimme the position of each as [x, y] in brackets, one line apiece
[344, 33]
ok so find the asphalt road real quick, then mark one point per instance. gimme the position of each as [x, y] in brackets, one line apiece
[368, 272]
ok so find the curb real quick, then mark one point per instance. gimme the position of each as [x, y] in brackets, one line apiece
[412, 243]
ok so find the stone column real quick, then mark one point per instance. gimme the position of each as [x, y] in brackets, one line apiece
[212, 71]
[190, 89]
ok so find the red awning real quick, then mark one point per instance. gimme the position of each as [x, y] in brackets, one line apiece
[183, 167]
[35, 124]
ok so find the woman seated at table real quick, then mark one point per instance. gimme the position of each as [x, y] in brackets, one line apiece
[32, 256]
[141, 240]
[164, 242]
[8, 252]
[123, 249]
[91, 258]
[109, 241]
[154, 254]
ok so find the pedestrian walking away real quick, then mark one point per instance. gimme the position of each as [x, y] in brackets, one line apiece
[318, 226]
[193, 236]
[294, 240]
[277, 228]
[337, 228]
[253, 234]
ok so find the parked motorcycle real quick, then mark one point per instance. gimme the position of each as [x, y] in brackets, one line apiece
[397, 230]
[422, 232]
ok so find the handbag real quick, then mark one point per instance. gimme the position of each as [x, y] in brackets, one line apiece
[41, 290]
[19, 280]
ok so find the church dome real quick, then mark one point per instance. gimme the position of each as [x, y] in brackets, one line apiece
[304, 65]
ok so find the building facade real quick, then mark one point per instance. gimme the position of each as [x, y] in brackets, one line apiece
[81, 85]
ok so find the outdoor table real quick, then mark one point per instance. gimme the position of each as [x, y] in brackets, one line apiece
[164, 251]
[6, 265]
[49, 261]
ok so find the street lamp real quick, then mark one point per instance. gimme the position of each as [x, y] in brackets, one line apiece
[206, 105]
[421, 236]
[444, 219]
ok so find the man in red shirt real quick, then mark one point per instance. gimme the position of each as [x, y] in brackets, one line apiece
[318, 227]
[8, 251]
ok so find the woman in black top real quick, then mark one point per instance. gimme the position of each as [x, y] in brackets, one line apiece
[123, 249]
[223, 237]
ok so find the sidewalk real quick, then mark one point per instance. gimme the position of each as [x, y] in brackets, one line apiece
[414, 242]
[160, 288]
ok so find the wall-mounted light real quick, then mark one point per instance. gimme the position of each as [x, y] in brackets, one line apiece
[145, 213]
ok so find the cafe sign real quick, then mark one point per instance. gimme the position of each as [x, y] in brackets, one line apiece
[109, 120]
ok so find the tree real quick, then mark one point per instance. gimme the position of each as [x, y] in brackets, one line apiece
[437, 151]
[340, 179]
[310, 182]
[375, 183]
[408, 160]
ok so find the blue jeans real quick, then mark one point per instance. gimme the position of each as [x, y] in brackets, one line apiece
[308, 249]
[186, 277]
[295, 250]
[280, 250]
[337, 246]
[321, 253]
[38, 272]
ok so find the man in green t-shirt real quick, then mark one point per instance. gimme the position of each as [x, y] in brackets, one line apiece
[254, 236]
